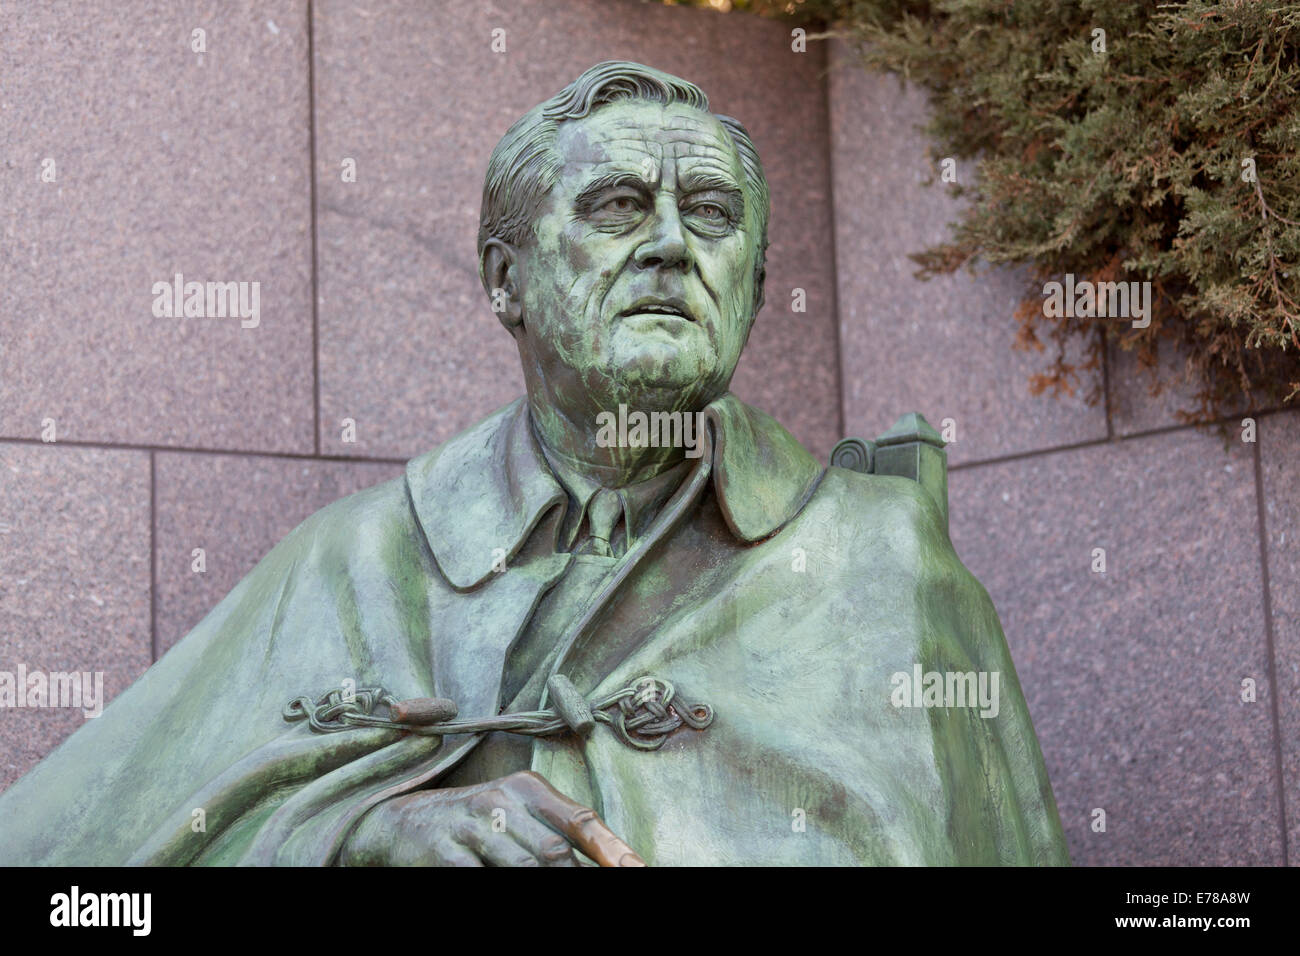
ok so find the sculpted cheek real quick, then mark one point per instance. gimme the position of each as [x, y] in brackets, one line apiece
[571, 248]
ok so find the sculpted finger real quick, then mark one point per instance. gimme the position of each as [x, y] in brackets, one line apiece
[584, 829]
[448, 852]
[547, 846]
[494, 848]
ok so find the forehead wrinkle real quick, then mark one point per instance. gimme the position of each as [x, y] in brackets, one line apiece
[611, 151]
[638, 135]
[712, 162]
[672, 117]
[712, 166]
[624, 125]
[641, 130]
[616, 144]
[715, 157]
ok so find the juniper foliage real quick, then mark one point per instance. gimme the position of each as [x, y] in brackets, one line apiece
[1130, 164]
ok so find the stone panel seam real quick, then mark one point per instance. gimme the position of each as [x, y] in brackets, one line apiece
[1275, 687]
[153, 556]
[237, 452]
[315, 271]
[834, 240]
[1105, 380]
[1095, 442]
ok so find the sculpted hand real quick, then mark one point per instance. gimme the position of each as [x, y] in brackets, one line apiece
[519, 820]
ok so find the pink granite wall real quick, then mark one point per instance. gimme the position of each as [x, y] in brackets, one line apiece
[172, 435]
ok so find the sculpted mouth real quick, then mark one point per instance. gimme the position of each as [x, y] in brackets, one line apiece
[675, 308]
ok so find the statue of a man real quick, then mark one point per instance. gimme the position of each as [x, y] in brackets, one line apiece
[627, 618]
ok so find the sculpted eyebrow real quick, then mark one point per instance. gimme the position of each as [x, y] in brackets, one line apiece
[692, 183]
[705, 182]
[587, 198]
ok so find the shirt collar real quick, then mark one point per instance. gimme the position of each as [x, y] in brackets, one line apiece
[489, 487]
[639, 501]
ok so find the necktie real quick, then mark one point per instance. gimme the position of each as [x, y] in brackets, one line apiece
[603, 513]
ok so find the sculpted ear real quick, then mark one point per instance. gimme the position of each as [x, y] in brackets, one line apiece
[500, 273]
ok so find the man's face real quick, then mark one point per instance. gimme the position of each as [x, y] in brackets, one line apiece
[640, 285]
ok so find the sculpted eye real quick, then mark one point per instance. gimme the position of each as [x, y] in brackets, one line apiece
[710, 211]
[621, 204]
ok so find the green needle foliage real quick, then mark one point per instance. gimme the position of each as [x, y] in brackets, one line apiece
[1127, 165]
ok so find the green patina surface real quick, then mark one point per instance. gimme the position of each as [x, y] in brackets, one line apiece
[622, 247]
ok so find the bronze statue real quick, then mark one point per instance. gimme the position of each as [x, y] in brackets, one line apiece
[625, 619]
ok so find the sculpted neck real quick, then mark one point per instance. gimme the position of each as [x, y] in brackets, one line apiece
[576, 438]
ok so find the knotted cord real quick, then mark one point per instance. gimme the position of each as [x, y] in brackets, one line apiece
[641, 715]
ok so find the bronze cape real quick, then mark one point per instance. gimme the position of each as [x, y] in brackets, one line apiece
[783, 594]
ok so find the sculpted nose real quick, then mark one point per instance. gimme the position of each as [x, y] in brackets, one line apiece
[666, 247]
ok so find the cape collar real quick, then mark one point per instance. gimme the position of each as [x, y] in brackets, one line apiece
[489, 487]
